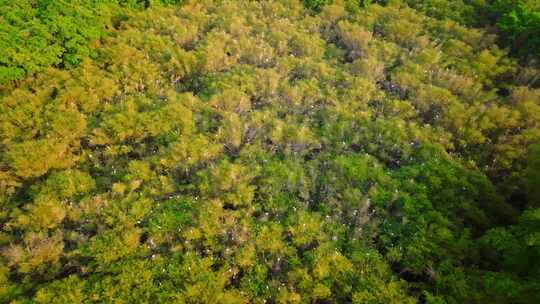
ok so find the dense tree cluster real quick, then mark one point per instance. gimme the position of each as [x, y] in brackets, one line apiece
[265, 152]
[516, 21]
[41, 33]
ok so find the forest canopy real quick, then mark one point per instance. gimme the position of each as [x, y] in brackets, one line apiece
[279, 151]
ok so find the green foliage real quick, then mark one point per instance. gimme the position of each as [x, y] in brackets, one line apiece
[44, 33]
[264, 152]
[457, 10]
[533, 176]
[316, 4]
[517, 21]
[520, 23]
[47, 33]
[516, 250]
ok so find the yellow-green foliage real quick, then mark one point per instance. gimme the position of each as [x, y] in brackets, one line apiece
[259, 152]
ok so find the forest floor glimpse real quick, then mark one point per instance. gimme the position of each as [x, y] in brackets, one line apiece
[269, 151]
